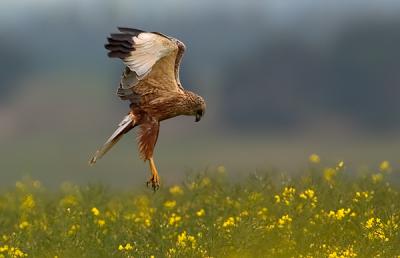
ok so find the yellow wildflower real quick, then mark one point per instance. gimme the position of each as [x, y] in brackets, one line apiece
[309, 194]
[376, 178]
[288, 194]
[288, 191]
[95, 211]
[385, 166]
[349, 252]
[285, 219]
[176, 190]
[127, 247]
[24, 224]
[170, 204]
[262, 213]
[370, 223]
[367, 196]
[376, 229]
[73, 229]
[244, 214]
[28, 202]
[340, 214]
[186, 240]
[171, 251]
[101, 222]
[174, 219]
[230, 222]
[147, 222]
[314, 158]
[340, 165]
[200, 213]
[182, 239]
[12, 252]
[329, 174]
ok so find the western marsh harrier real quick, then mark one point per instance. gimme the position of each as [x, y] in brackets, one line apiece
[150, 82]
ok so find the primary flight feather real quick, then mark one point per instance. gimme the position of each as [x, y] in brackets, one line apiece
[150, 82]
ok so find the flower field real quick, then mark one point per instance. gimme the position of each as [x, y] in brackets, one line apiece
[327, 210]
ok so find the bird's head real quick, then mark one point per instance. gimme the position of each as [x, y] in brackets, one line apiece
[196, 105]
[200, 109]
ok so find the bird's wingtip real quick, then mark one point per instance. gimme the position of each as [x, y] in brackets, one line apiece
[133, 31]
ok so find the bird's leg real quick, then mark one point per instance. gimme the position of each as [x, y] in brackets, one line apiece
[154, 179]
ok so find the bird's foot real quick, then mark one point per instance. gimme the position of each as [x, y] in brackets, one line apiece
[154, 181]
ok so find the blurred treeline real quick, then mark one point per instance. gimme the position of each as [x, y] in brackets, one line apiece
[261, 69]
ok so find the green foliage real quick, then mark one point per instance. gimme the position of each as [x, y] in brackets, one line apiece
[322, 212]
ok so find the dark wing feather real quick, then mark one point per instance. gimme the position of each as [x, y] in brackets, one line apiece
[131, 31]
[115, 42]
[119, 48]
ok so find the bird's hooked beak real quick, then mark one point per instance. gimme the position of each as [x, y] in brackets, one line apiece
[199, 115]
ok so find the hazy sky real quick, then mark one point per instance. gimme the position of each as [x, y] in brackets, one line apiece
[279, 8]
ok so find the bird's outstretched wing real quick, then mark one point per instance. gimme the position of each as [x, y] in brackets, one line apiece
[152, 61]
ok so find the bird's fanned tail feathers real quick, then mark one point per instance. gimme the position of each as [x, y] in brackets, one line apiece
[123, 127]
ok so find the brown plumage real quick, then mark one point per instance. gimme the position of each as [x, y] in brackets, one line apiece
[150, 82]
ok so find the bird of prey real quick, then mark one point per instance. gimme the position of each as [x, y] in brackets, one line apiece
[150, 83]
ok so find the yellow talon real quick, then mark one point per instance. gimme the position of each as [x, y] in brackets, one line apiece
[154, 179]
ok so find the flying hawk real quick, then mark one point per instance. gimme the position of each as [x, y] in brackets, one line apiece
[150, 82]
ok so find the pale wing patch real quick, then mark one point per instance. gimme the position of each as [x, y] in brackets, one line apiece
[149, 48]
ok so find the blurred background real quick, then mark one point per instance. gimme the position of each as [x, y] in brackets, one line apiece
[282, 80]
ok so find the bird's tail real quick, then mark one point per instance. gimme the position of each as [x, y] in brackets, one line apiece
[123, 127]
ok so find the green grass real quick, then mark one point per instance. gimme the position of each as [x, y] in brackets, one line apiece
[321, 212]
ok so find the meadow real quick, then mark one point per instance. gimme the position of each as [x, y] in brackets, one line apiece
[325, 210]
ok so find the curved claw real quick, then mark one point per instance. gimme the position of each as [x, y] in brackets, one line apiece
[155, 182]
[154, 179]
